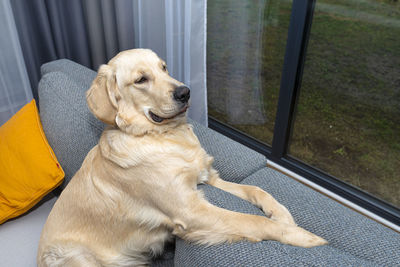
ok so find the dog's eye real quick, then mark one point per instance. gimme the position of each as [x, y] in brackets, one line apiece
[141, 80]
[164, 67]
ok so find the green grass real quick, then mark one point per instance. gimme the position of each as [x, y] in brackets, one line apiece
[348, 115]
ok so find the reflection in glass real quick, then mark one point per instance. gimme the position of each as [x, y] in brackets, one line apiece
[246, 41]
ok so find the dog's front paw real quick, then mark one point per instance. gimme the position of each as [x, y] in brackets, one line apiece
[281, 214]
[299, 237]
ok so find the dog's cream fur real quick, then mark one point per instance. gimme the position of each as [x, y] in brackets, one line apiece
[137, 187]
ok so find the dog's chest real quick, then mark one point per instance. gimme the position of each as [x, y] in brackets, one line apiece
[195, 158]
[200, 167]
[177, 153]
[196, 171]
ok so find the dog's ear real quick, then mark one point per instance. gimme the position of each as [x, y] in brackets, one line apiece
[103, 95]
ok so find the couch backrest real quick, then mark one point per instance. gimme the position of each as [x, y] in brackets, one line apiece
[67, 122]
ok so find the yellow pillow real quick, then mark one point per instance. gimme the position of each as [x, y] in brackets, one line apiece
[28, 167]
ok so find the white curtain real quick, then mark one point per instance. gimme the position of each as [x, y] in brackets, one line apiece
[15, 89]
[176, 31]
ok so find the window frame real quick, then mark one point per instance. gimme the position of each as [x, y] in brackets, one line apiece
[295, 54]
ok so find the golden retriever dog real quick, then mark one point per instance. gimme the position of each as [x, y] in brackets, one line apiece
[137, 188]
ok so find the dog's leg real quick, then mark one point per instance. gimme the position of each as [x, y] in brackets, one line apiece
[256, 196]
[207, 224]
[70, 255]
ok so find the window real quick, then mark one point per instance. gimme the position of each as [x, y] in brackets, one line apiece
[348, 113]
[315, 87]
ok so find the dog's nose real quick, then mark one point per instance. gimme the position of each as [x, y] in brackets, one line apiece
[182, 94]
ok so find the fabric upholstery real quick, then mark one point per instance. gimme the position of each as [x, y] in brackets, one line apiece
[20, 237]
[69, 126]
[81, 75]
[354, 240]
[29, 169]
[345, 229]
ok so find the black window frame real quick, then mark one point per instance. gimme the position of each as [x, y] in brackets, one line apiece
[295, 54]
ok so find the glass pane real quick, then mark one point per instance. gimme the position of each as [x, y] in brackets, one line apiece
[348, 117]
[246, 42]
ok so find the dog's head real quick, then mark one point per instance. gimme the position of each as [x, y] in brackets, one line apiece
[135, 93]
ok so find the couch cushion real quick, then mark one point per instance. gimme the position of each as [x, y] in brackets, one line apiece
[81, 75]
[354, 240]
[345, 229]
[29, 169]
[69, 126]
[233, 160]
[20, 237]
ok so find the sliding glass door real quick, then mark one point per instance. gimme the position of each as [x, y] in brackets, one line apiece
[315, 86]
[348, 114]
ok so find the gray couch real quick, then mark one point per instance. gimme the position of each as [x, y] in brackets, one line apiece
[354, 240]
